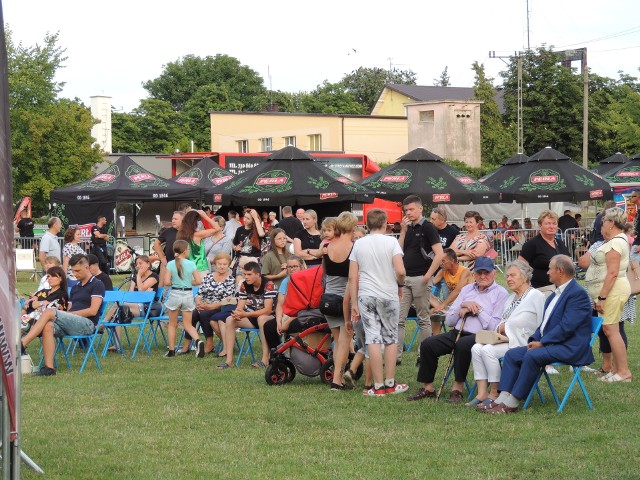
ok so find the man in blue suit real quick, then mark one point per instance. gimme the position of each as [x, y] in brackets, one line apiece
[563, 336]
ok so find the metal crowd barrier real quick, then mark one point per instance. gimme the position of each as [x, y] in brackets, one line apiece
[577, 240]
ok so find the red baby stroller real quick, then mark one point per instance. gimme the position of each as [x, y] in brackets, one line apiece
[309, 351]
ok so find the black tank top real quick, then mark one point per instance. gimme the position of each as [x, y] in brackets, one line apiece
[335, 269]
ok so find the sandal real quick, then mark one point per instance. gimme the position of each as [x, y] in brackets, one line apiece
[259, 364]
[223, 366]
[616, 378]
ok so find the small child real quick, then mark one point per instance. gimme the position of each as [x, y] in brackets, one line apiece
[181, 274]
[376, 277]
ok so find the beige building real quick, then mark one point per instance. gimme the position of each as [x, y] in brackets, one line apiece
[449, 128]
[381, 138]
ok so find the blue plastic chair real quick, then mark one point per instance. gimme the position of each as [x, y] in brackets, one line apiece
[246, 347]
[596, 324]
[87, 342]
[409, 346]
[140, 322]
[470, 389]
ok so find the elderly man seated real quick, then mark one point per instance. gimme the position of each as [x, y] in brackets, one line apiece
[479, 306]
[563, 336]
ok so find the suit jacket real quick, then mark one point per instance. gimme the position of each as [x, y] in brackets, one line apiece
[568, 331]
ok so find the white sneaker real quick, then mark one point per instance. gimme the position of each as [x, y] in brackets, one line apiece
[200, 349]
[550, 370]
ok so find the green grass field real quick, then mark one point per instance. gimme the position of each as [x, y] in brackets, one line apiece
[176, 418]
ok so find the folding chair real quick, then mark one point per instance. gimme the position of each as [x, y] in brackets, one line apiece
[87, 342]
[470, 389]
[596, 324]
[246, 347]
[409, 346]
[145, 300]
[26, 262]
[155, 323]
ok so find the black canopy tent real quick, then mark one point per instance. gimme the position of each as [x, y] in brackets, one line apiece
[207, 175]
[423, 173]
[292, 177]
[123, 181]
[610, 163]
[547, 176]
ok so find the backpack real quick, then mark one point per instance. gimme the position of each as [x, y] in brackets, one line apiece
[304, 290]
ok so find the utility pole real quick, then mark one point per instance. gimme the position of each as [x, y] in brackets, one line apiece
[519, 113]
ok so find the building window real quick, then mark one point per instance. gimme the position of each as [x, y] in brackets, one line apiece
[267, 144]
[289, 141]
[426, 116]
[315, 143]
[243, 146]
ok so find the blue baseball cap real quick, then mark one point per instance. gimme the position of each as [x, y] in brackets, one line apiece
[484, 263]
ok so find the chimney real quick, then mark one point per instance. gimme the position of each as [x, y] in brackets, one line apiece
[101, 111]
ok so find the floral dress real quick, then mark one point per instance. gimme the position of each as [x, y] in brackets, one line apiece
[211, 291]
[70, 249]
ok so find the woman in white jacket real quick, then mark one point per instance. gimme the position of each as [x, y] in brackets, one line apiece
[522, 314]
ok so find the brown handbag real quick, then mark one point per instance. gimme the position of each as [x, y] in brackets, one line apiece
[633, 275]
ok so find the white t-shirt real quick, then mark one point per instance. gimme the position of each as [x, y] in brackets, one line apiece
[374, 255]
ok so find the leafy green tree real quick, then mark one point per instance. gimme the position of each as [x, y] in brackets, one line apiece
[497, 142]
[331, 98]
[126, 133]
[196, 112]
[552, 102]
[614, 116]
[181, 79]
[50, 137]
[161, 128]
[365, 84]
[444, 80]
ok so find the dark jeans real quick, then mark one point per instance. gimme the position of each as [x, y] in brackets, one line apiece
[438, 345]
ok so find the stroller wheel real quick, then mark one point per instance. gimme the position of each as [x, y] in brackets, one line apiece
[276, 374]
[291, 370]
[326, 372]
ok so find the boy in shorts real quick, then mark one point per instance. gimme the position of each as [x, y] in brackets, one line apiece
[376, 278]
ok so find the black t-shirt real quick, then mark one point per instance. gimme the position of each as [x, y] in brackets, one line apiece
[290, 225]
[309, 241]
[168, 237]
[538, 253]
[243, 237]
[50, 296]
[106, 280]
[25, 225]
[101, 242]
[420, 236]
[155, 285]
[448, 234]
[567, 221]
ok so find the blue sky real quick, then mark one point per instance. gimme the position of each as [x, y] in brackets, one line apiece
[113, 47]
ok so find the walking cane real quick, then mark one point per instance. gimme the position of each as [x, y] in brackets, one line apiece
[450, 362]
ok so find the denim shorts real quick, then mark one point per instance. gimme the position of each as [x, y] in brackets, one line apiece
[68, 323]
[181, 300]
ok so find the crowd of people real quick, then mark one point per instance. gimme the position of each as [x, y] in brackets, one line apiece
[373, 282]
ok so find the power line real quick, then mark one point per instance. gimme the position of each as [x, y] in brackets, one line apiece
[615, 49]
[606, 37]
